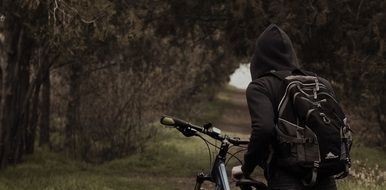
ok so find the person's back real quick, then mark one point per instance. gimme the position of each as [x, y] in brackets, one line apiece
[273, 52]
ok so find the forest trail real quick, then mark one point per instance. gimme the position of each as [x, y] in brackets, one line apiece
[170, 161]
[235, 115]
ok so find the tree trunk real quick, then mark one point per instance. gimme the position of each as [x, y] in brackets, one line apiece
[16, 89]
[31, 132]
[45, 111]
[19, 130]
[9, 109]
[382, 108]
[73, 109]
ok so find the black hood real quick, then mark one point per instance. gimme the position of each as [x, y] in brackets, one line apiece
[274, 51]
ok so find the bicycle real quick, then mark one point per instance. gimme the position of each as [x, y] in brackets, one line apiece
[218, 174]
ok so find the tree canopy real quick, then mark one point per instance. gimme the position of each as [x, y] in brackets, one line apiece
[96, 72]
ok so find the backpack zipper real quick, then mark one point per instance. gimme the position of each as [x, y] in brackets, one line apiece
[329, 95]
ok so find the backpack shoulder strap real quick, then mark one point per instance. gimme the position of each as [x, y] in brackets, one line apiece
[283, 74]
[278, 74]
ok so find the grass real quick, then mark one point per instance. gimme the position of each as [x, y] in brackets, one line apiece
[368, 169]
[169, 161]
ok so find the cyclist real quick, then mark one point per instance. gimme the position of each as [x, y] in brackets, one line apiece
[274, 51]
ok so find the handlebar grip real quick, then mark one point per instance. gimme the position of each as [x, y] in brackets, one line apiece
[165, 120]
[236, 141]
[243, 142]
[170, 121]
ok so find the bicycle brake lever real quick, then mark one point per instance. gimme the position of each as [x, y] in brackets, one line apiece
[187, 132]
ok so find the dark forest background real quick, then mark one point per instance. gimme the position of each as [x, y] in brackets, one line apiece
[87, 77]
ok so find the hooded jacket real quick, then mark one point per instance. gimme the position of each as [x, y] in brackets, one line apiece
[273, 51]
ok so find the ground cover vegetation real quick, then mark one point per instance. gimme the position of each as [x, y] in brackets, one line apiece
[169, 161]
[84, 78]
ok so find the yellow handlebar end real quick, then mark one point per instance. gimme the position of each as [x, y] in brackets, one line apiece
[167, 121]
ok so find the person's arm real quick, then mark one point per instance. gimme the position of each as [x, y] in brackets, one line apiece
[262, 119]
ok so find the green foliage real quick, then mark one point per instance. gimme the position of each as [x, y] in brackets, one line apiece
[169, 162]
[147, 170]
[120, 64]
[116, 67]
[368, 169]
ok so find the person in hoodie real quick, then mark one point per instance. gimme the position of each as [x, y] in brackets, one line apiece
[273, 52]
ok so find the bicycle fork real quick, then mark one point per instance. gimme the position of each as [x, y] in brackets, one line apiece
[218, 174]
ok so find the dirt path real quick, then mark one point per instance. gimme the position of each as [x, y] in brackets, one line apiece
[235, 116]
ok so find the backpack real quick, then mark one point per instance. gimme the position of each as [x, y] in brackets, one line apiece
[313, 137]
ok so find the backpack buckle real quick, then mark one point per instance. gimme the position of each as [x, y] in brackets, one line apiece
[314, 175]
[316, 164]
[317, 84]
[326, 120]
[316, 89]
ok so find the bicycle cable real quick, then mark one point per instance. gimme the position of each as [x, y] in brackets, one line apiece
[234, 156]
[207, 145]
[231, 155]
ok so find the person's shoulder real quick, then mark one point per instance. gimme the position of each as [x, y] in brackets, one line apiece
[263, 84]
[260, 82]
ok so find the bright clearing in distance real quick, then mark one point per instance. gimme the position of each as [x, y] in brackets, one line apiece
[241, 77]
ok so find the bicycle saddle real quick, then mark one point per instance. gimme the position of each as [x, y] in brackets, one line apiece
[251, 183]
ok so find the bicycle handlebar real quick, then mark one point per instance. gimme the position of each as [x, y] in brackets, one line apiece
[189, 129]
[237, 141]
[175, 122]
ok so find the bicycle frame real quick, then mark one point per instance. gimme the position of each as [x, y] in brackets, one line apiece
[218, 175]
